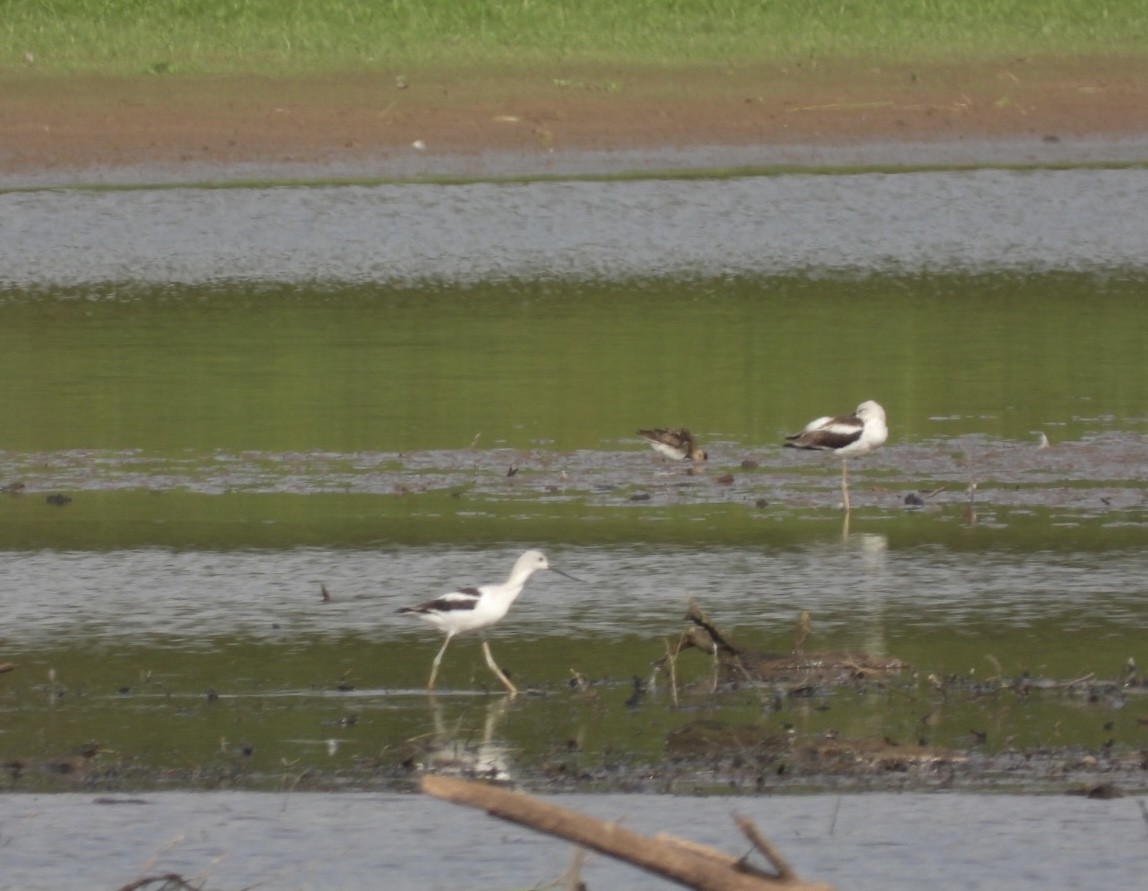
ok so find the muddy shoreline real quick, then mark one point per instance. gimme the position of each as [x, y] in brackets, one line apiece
[566, 121]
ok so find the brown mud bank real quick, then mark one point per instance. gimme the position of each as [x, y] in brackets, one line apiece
[82, 122]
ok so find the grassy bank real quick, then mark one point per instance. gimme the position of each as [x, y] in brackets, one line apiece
[295, 36]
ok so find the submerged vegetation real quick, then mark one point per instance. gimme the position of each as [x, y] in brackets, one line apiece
[268, 36]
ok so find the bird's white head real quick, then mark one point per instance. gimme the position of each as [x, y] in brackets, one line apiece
[875, 428]
[531, 561]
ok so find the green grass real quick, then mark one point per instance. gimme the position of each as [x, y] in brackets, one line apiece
[312, 36]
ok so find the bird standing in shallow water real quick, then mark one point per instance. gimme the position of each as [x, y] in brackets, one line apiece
[675, 444]
[857, 434]
[472, 609]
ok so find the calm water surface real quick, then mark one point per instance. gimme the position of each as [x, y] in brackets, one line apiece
[235, 397]
[974, 220]
[234, 840]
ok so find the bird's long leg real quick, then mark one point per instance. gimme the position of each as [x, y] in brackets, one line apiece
[513, 690]
[437, 661]
[845, 484]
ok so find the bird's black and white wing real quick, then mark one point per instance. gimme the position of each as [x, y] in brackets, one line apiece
[827, 433]
[456, 601]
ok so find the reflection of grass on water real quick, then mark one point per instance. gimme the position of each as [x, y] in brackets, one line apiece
[265, 717]
[349, 713]
[266, 36]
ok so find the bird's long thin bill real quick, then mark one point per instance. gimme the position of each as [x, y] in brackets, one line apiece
[568, 575]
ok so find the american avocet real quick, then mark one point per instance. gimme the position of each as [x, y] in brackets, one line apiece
[676, 444]
[472, 609]
[857, 434]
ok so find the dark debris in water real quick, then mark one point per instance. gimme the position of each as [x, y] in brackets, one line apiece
[734, 664]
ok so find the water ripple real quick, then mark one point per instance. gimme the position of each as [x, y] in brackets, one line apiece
[191, 598]
[984, 219]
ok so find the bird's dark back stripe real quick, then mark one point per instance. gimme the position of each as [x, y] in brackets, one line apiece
[822, 439]
[449, 604]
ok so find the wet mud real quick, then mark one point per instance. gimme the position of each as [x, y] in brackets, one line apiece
[178, 128]
[1098, 473]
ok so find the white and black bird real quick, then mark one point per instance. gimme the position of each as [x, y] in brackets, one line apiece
[857, 434]
[473, 609]
[678, 445]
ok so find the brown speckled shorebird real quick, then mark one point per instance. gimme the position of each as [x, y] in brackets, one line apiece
[677, 445]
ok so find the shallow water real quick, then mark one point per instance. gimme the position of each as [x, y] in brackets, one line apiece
[878, 841]
[160, 655]
[236, 397]
[978, 220]
[193, 599]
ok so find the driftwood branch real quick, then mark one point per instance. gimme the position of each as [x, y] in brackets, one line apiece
[672, 660]
[687, 863]
[705, 636]
[694, 614]
[735, 664]
[768, 851]
[166, 881]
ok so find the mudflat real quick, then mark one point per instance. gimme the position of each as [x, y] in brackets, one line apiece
[49, 122]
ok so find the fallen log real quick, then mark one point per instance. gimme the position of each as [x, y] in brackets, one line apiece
[684, 862]
[734, 664]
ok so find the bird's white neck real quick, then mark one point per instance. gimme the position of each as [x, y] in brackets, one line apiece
[518, 578]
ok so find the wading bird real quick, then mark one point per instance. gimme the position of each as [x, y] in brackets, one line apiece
[857, 434]
[675, 444]
[472, 609]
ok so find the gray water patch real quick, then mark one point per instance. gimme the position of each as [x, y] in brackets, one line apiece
[1080, 219]
[859, 588]
[878, 841]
